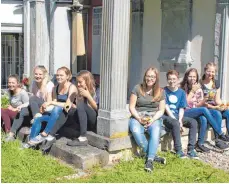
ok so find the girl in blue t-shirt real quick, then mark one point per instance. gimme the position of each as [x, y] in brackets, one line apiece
[174, 119]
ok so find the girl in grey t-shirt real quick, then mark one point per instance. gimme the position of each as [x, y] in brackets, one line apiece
[18, 99]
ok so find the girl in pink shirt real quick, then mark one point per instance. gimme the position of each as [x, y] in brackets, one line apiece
[196, 109]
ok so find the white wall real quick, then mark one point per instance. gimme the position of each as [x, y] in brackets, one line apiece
[62, 36]
[152, 37]
[11, 14]
[202, 49]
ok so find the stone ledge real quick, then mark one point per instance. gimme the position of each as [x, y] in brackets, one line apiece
[110, 145]
[83, 157]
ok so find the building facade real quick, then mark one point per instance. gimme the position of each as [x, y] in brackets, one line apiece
[118, 40]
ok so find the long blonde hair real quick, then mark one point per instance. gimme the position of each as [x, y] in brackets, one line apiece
[46, 78]
[89, 80]
[208, 65]
[157, 91]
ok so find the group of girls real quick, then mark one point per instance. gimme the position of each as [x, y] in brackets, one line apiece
[51, 106]
[193, 103]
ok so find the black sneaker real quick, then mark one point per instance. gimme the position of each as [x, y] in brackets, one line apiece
[201, 148]
[76, 142]
[161, 160]
[224, 138]
[221, 145]
[149, 165]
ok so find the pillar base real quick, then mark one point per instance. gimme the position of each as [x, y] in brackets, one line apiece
[109, 144]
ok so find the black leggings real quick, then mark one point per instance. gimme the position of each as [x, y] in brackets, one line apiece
[84, 116]
[87, 117]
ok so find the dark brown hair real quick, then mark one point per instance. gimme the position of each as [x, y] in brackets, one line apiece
[184, 82]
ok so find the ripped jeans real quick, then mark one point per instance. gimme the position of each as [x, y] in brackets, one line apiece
[138, 132]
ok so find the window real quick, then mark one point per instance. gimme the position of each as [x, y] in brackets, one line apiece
[12, 56]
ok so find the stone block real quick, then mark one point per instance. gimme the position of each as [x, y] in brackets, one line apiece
[83, 157]
[108, 143]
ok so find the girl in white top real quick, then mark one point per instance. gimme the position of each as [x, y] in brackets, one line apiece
[41, 89]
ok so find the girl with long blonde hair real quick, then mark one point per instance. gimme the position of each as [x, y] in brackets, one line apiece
[212, 100]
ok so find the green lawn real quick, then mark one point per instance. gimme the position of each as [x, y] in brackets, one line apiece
[30, 166]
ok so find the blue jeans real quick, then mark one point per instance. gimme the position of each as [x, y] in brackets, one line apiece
[138, 132]
[50, 118]
[205, 116]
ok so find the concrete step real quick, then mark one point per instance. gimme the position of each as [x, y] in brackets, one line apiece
[83, 157]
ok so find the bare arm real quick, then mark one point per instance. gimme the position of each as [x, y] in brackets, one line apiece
[71, 96]
[169, 112]
[92, 102]
[160, 112]
[133, 111]
[181, 114]
[218, 100]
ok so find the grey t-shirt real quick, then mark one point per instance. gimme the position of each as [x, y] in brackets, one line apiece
[145, 103]
[18, 99]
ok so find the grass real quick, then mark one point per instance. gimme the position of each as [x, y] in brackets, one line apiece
[20, 166]
[31, 166]
[176, 170]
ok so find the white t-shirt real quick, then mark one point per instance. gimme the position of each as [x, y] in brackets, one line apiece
[36, 91]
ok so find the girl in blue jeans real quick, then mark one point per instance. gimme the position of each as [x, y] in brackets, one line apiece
[196, 110]
[63, 96]
[147, 105]
[211, 90]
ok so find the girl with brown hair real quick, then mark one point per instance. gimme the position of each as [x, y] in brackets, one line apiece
[41, 88]
[18, 100]
[86, 106]
[196, 109]
[147, 106]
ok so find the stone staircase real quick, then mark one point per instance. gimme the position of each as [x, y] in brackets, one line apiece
[99, 152]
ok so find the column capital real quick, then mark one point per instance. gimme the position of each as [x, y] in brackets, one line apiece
[222, 2]
[41, 1]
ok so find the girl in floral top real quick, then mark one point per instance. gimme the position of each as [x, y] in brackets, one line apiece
[213, 102]
[195, 109]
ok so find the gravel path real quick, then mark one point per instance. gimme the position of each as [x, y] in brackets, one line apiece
[217, 158]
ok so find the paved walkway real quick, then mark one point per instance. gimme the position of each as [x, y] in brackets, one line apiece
[216, 157]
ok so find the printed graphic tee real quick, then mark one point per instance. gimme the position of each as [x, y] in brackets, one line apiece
[175, 100]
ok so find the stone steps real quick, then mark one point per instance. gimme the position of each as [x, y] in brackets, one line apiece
[86, 157]
[83, 157]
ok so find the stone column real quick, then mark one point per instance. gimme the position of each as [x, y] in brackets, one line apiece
[39, 33]
[113, 117]
[26, 9]
[222, 45]
[135, 66]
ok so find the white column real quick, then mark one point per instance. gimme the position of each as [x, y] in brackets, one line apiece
[222, 45]
[39, 33]
[113, 118]
[26, 8]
